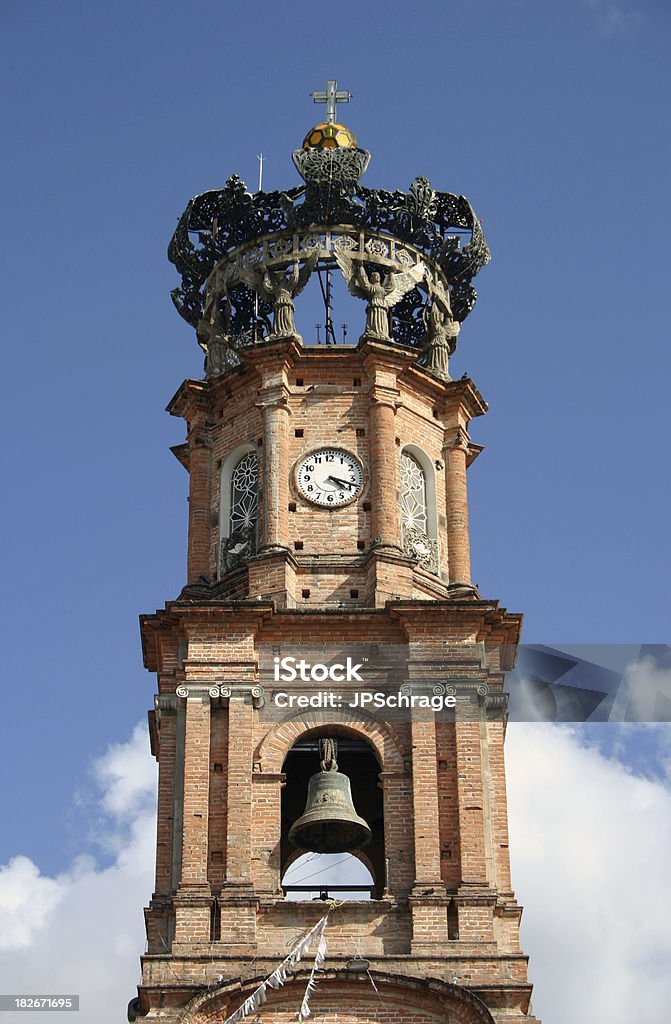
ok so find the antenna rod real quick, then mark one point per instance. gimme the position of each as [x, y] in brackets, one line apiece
[259, 157]
[330, 333]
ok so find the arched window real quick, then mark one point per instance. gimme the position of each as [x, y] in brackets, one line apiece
[418, 514]
[238, 510]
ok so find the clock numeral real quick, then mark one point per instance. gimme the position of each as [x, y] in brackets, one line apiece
[306, 477]
[310, 488]
[329, 497]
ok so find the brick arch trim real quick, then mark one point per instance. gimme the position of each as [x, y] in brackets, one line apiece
[278, 741]
[441, 1001]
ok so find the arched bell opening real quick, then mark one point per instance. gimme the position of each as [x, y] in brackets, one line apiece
[312, 876]
[301, 804]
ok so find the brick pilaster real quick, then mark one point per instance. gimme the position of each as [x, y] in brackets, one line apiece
[239, 812]
[196, 791]
[426, 833]
[470, 802]
[166, 798]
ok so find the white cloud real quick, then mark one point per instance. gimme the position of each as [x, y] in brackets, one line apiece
[82, 932]
[614, 18]
[26, 901]
[649, 690]
[590, 845]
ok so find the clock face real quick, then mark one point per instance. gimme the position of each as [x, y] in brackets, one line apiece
[329, 477]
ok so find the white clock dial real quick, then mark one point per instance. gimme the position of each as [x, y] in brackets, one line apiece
[329, 477]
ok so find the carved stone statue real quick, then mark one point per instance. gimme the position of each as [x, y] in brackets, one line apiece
[439, 342]
[213, 330]
[381, 294]
[281, 289]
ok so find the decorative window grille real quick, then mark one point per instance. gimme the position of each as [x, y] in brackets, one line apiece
[413, 494]
[244, 485]
[414, 515]
[242, 520]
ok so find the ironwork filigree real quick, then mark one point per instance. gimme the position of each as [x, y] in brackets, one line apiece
[330, 210]
[413, 494]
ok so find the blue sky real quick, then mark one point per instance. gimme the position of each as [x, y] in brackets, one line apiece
[551, 117]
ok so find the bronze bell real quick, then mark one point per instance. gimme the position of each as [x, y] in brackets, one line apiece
[329, 823]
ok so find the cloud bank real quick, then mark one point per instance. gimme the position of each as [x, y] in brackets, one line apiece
[590, 844]
[82, 932]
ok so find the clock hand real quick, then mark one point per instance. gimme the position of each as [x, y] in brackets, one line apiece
[343, 483]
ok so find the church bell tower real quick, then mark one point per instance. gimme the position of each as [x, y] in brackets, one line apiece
[329, 679]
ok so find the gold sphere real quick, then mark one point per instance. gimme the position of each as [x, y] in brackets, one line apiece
[329, 136]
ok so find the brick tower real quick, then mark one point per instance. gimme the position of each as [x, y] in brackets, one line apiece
[328, 518]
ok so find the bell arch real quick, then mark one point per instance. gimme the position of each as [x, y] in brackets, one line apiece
[355, 819]
[383, 737]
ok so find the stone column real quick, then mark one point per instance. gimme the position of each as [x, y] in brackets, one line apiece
[275, 467]
[383, 469]
[459, 552]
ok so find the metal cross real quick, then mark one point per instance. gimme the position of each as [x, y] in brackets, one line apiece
[330, 96]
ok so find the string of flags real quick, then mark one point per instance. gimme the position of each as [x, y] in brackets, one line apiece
[279, 975]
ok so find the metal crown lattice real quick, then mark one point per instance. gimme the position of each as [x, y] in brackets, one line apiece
[224, 232]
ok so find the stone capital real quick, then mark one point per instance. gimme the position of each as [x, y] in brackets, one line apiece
[204, 692]
[456, 437]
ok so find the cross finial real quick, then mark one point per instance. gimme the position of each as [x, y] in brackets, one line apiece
[330, 96]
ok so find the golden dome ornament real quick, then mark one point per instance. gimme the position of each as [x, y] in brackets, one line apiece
[330, 135]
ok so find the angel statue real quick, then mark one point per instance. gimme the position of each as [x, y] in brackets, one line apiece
[213, 330]
[381, 295]
[281, 289]
[439, 342]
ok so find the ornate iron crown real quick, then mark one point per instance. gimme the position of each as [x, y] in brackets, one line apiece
[233, 248]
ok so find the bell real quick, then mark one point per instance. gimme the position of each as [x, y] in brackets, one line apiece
[329, 823]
